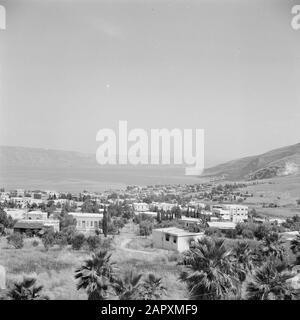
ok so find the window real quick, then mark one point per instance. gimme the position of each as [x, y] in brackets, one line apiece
[92, 224]
[83, 224]
[167, 237]
[175, 239]
[96, 224]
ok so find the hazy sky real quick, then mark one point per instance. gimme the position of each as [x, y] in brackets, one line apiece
[70, 68]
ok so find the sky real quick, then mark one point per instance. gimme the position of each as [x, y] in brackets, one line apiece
[71, 68]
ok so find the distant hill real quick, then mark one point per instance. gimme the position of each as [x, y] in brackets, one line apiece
[38, 157]
[275, 163]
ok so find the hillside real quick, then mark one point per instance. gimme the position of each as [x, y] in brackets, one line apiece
[275, 163]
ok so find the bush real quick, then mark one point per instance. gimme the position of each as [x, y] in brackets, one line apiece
[16, 240]
[48, 239]
[69, 232]
[61, 239]
[213, 232]
[145, 228]
[248, 233]
[230, 233]
[93, 242]
[261, 231]
[35, 243]
[78, 241]
[2, 228]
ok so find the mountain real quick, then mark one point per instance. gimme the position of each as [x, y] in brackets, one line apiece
[38, 157]
[275, 163]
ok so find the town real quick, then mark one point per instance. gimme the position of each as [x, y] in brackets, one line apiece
[146, 223]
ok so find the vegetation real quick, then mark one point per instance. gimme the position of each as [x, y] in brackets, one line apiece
[126, 288]
[270, 283]
[78, 241]
[209, 272]
[16, 240]
[48, 239]
[26, 290]
[96, 275]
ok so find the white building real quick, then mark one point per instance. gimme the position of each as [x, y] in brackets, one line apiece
[36, 215]
[221, 213]
[165, 206]
[187, 221]
[222, 225]
[197, 204]
[238, 213]
[147, 213]
[87, 222]
[16, 214]
[140, 206]
[174, 238]
[232, 212]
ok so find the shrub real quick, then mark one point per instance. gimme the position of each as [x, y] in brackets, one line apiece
[61, 239]
[35, 243]
[16, 240]
[145, 228]
[230, 233]
[213, 232]
[48, 239]
[27, 289]
[5, 219]
[78, 241]
[261, 231]
[93, 242]
[248, 233]
[69, 232]
[2, 228]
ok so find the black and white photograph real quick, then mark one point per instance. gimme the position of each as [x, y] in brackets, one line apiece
[149, 151]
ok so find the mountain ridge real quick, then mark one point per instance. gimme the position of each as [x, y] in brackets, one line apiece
[274, 163]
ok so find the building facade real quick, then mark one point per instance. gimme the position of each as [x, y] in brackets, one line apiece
[88, 222]
[174, 239]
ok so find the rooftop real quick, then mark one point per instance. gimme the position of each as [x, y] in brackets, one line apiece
[86, 214]
[222, 224]
[178, 232]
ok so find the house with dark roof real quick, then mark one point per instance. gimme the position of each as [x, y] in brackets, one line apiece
[35, 226]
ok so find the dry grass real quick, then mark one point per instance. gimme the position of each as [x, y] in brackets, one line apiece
[54, 269]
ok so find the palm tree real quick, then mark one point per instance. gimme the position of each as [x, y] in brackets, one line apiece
[270, 283]
[26, 290]
[295, 247]
[210, 273]
[243, 257]
[152, 288]
[272, 246]
[96, 275]
[127, 288]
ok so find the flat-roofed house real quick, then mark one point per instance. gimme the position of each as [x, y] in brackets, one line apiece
[87, 222]
[36, 215]
[187, 221]
[222, 225]
[140, 206]
[221, 213]
[147, 213]
[174, 238]
[35, 226]
[16, 214]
